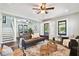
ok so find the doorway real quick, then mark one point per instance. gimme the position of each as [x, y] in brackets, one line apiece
[46, 29]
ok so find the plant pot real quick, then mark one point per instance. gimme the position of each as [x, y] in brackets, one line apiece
[30, 36]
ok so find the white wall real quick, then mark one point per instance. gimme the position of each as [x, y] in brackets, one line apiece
[72, 25]
[0, 28]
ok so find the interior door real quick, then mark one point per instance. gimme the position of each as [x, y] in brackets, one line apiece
[46, 29]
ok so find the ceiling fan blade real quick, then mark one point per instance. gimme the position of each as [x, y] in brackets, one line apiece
[46, 12]
[35, 8]
[38, 12]
[50, 8]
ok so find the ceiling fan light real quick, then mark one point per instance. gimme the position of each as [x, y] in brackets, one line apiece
[42, 11]
[43, 8]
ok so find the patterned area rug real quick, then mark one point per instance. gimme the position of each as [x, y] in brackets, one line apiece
[35, 50]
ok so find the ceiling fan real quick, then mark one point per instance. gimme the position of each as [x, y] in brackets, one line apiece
[43, 8]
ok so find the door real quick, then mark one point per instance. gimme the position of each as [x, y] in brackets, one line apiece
[46, 29]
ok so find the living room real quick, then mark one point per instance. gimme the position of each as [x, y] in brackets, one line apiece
[52, 29]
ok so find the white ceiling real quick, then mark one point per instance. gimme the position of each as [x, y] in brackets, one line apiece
[25, 9]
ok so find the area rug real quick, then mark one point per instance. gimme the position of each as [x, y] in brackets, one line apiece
[35, 50]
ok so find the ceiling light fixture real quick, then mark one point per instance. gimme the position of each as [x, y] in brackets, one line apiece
[43, 8]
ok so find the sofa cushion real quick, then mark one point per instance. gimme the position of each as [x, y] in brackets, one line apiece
[66, 42]
[35, 35]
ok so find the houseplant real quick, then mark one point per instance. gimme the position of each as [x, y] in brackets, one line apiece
[30, 31]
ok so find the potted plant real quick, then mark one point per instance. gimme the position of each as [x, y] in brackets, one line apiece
[30, 31]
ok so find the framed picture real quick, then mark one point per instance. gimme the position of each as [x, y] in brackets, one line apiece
[46, 29]
[4, 19]
[62, 27]
[20, 28]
